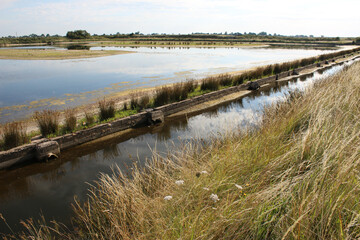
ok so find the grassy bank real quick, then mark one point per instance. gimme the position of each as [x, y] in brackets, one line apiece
[49, 54]
[296, 177]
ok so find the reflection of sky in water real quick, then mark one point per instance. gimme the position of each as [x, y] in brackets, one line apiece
[23, 81]
[50, 187]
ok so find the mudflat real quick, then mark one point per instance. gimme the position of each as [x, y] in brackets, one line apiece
[51, 54]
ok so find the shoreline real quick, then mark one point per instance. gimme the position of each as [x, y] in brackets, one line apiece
[50, 54]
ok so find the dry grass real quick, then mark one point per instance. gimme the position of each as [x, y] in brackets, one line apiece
[297, 177]
[174, 93]
[107, 109]
[70, 120]
[210, 83]
[13, 135]
[48, 121]
[89, 118]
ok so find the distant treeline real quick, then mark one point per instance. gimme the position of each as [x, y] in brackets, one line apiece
[137, 36]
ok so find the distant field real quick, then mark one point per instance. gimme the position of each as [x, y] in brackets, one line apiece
[186, 39]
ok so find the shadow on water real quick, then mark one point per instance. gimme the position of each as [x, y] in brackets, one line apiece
[49, 188]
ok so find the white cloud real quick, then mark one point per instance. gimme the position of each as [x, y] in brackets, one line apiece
[110, 16]
[6, 3]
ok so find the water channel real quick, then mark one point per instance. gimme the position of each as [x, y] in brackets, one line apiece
[49, 188]
[30, 85]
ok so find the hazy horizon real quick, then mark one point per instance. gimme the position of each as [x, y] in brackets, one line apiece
[328, 18]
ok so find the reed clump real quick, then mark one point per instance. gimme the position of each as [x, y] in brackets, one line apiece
[89, 118]
[107, 109]
[70, 120]
[210, 83]
[296, 176]
[144, 102]
[13, 135]
[48, 121]
[225, 80]
[162, 96]
[174, 93]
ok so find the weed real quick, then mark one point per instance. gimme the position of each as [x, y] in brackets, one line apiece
[125, 106]
[14, 135]
[175, 92]
[134, 104]
[48, 121]
[189, 86]
[89, 118]
[70, 120]
[225, 80]
[238, 79]
[144, 102]
[210, 83]
[107, 109]
[162, 96]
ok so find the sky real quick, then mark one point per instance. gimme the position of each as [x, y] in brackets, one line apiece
[287, 17]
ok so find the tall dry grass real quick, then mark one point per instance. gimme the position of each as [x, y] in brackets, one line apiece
[13, 134]
[107, 109]
[48, 121]
[70, 120]
[296, 177]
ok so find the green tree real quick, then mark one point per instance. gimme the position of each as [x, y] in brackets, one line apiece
[77, 34]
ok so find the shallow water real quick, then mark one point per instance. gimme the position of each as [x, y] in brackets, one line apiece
[30, 85]
[49, 188]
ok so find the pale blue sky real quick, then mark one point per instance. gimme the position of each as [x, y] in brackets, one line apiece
[308, 17]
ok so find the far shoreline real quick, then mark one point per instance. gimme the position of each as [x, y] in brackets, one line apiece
[51, 54]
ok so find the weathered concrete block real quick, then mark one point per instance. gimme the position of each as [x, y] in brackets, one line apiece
[47, 150]
[294, 72]
[16, 155]
[253, 86]
[156, 117]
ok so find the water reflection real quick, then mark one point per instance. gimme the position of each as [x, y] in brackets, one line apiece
[50, 187]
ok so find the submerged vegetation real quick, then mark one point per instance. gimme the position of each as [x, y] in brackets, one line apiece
[296, 176]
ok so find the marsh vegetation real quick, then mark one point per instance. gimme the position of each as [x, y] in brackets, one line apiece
[294, 177]
[48, 120]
